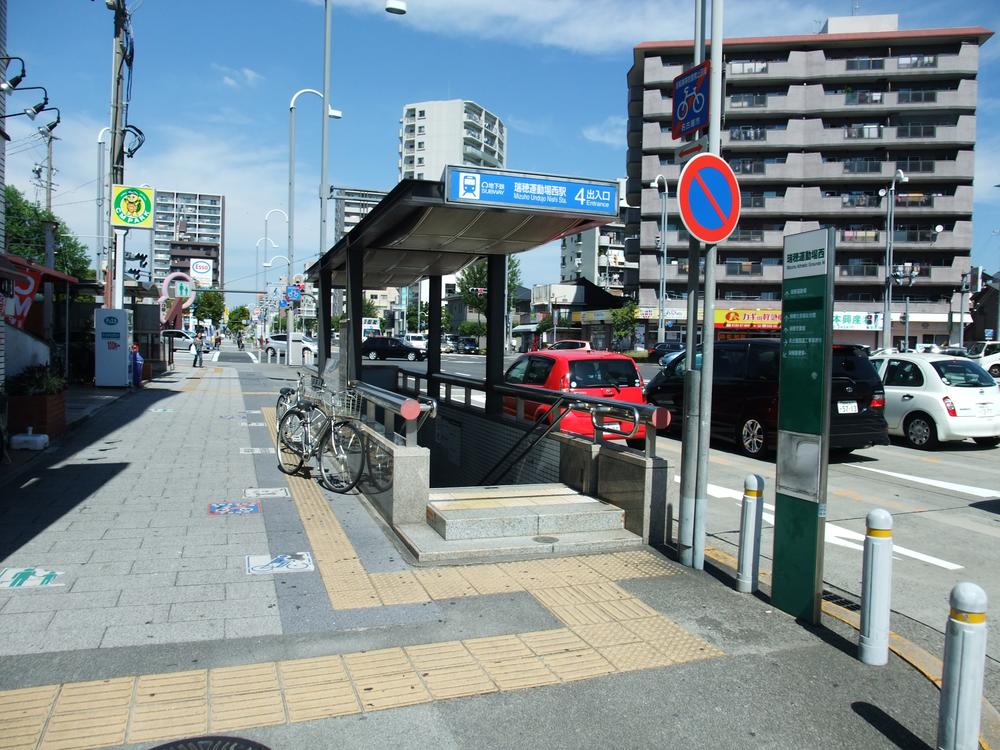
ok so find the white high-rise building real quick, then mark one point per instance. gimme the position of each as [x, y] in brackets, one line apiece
[187, 227]
[457, 131]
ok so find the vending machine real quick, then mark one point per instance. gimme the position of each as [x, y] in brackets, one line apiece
[113, 348]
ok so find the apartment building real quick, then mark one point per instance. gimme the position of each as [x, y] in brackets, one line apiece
[598, 254]
[816, 127]
[350, 206]
[456, 131]
[188, 227]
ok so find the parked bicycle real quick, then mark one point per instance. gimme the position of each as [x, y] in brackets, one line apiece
[317, 422]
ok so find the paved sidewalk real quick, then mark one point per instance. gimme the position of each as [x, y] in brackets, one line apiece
[146, 625]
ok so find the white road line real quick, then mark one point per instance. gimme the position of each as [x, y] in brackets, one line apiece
[963, 488]
[252, 357]
[215, 355]
[834, 534]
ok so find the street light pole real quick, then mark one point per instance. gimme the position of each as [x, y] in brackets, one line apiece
[291, 192]
[660, 183]
[102, 220]
[961, 309]
[890, 217]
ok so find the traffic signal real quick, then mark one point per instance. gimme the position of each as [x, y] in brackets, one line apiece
[139, 258]
[390, 318]
[903, 317]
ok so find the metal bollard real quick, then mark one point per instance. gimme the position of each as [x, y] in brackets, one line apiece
[751, 516]
[964, 665]
[876, 589]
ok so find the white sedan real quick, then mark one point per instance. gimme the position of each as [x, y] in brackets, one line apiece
[933, 397]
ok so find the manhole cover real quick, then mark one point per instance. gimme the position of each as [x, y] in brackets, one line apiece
[545, 539]
[212, 743]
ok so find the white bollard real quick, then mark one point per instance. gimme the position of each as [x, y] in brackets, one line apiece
[751, 516]
[964, 665]
[876, 589]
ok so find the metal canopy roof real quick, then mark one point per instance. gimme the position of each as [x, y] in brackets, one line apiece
[413, 233]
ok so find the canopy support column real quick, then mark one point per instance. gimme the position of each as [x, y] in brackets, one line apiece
[496, 281]
[355, 303]
[323, 316]
[434, 337]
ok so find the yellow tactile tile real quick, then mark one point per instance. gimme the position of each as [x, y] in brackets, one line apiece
[457, 682]
[165, 719]
[439, 655]
[95, 695]
[533, 574]
[489, 579]
[173, 686]
[672, 640]
[253, 678]
[633, 656]
[627, 609]
[398, 588]
[649, 563]
[354, 599]
[317, 671]
[607, 634]
[386, 661]
[610, 567]
[444, 583]
[497, 648]
[85, 729]
[581, 614]
[519, 672]
[562, 596]
[546, 642]
[578, 665]
[24, 713]
[321, 701]
[391, 691]
[576, 572]
[244, 710]
[602, 592]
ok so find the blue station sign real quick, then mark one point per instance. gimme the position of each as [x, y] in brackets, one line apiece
[489, 187]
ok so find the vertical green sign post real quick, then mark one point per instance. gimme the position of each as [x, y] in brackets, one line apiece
[803, 423]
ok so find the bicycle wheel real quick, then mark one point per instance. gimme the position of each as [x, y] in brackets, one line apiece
[292, 441]
[342, 457]
[285, 400]
[378, 478]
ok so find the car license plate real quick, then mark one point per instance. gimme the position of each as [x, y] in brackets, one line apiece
[847, 407]
[986, 410]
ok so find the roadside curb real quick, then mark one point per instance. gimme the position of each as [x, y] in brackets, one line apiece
[921, 660]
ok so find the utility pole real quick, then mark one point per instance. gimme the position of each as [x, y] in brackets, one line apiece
[48, 177]
[113, 285]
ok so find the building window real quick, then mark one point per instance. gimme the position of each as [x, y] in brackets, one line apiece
[420, 175]
[420, 161]
[420, 145]
[421, 113]
[420, 130]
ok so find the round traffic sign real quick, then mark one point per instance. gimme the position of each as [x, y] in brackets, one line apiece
[708, 197]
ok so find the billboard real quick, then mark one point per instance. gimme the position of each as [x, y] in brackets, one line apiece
[132, 207]
[201, 272]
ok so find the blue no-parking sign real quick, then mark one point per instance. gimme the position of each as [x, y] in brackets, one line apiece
[708, 197]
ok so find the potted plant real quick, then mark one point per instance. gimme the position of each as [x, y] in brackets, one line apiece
[36, 399]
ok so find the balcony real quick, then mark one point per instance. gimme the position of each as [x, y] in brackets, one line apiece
[863, 132]
[747, 235]
[747, 133]
[744, 268]
[916, 131]
[860, 236]
[865, 63]
[747, 101]
[856, 98]
[656, 73]
[858, 272]
[748, 68]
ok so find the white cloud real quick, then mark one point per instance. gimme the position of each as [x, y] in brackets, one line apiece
[610, 132]
[237, 77]
[528, 126]
[592, 26]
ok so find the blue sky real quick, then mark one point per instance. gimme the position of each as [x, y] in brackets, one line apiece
[213, 79]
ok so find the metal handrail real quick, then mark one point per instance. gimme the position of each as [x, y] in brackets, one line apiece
[648, 414]
[414, 411]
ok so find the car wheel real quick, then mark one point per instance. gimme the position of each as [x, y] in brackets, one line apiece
[995, 371]
[752, 438]
[270, 352]
[920, 432]
[411, 356]
[638, 444]
[988, 442]
[372, 356]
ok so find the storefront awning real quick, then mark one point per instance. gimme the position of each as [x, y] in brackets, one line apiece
[525, 329]
[47, 274]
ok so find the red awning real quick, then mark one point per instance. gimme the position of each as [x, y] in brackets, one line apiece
[47, 273]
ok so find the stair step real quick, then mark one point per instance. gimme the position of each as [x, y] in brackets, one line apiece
[460, 520]
[428, 546]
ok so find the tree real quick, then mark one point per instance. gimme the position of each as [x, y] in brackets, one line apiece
[623, 321]
[209, 306]
[412, 324]
[368, 308]
[236, 317]
[471, 328]
[472, 284]
[26, 236]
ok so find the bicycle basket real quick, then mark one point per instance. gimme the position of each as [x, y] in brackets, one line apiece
[346, 404]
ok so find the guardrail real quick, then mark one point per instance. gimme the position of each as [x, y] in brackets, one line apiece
[413, 411]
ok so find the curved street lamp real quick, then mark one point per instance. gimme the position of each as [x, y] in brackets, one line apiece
[890, 214]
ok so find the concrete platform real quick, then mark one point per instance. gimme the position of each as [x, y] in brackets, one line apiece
[587, 514]
[428, 546]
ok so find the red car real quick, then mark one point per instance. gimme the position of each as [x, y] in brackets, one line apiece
[598, 374]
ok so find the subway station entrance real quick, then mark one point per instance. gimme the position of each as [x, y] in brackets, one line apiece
[456, 470]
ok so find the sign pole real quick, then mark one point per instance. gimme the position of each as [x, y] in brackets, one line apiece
[692, 382]
[118, 290]
[803, 423]
[715, 105]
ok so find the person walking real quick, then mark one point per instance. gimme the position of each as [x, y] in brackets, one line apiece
[239, 340]
[199, 344]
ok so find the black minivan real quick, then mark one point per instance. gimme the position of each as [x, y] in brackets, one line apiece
[745, 396]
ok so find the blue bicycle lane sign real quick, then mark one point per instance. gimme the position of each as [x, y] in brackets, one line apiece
[708, 198]
[690, 101]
